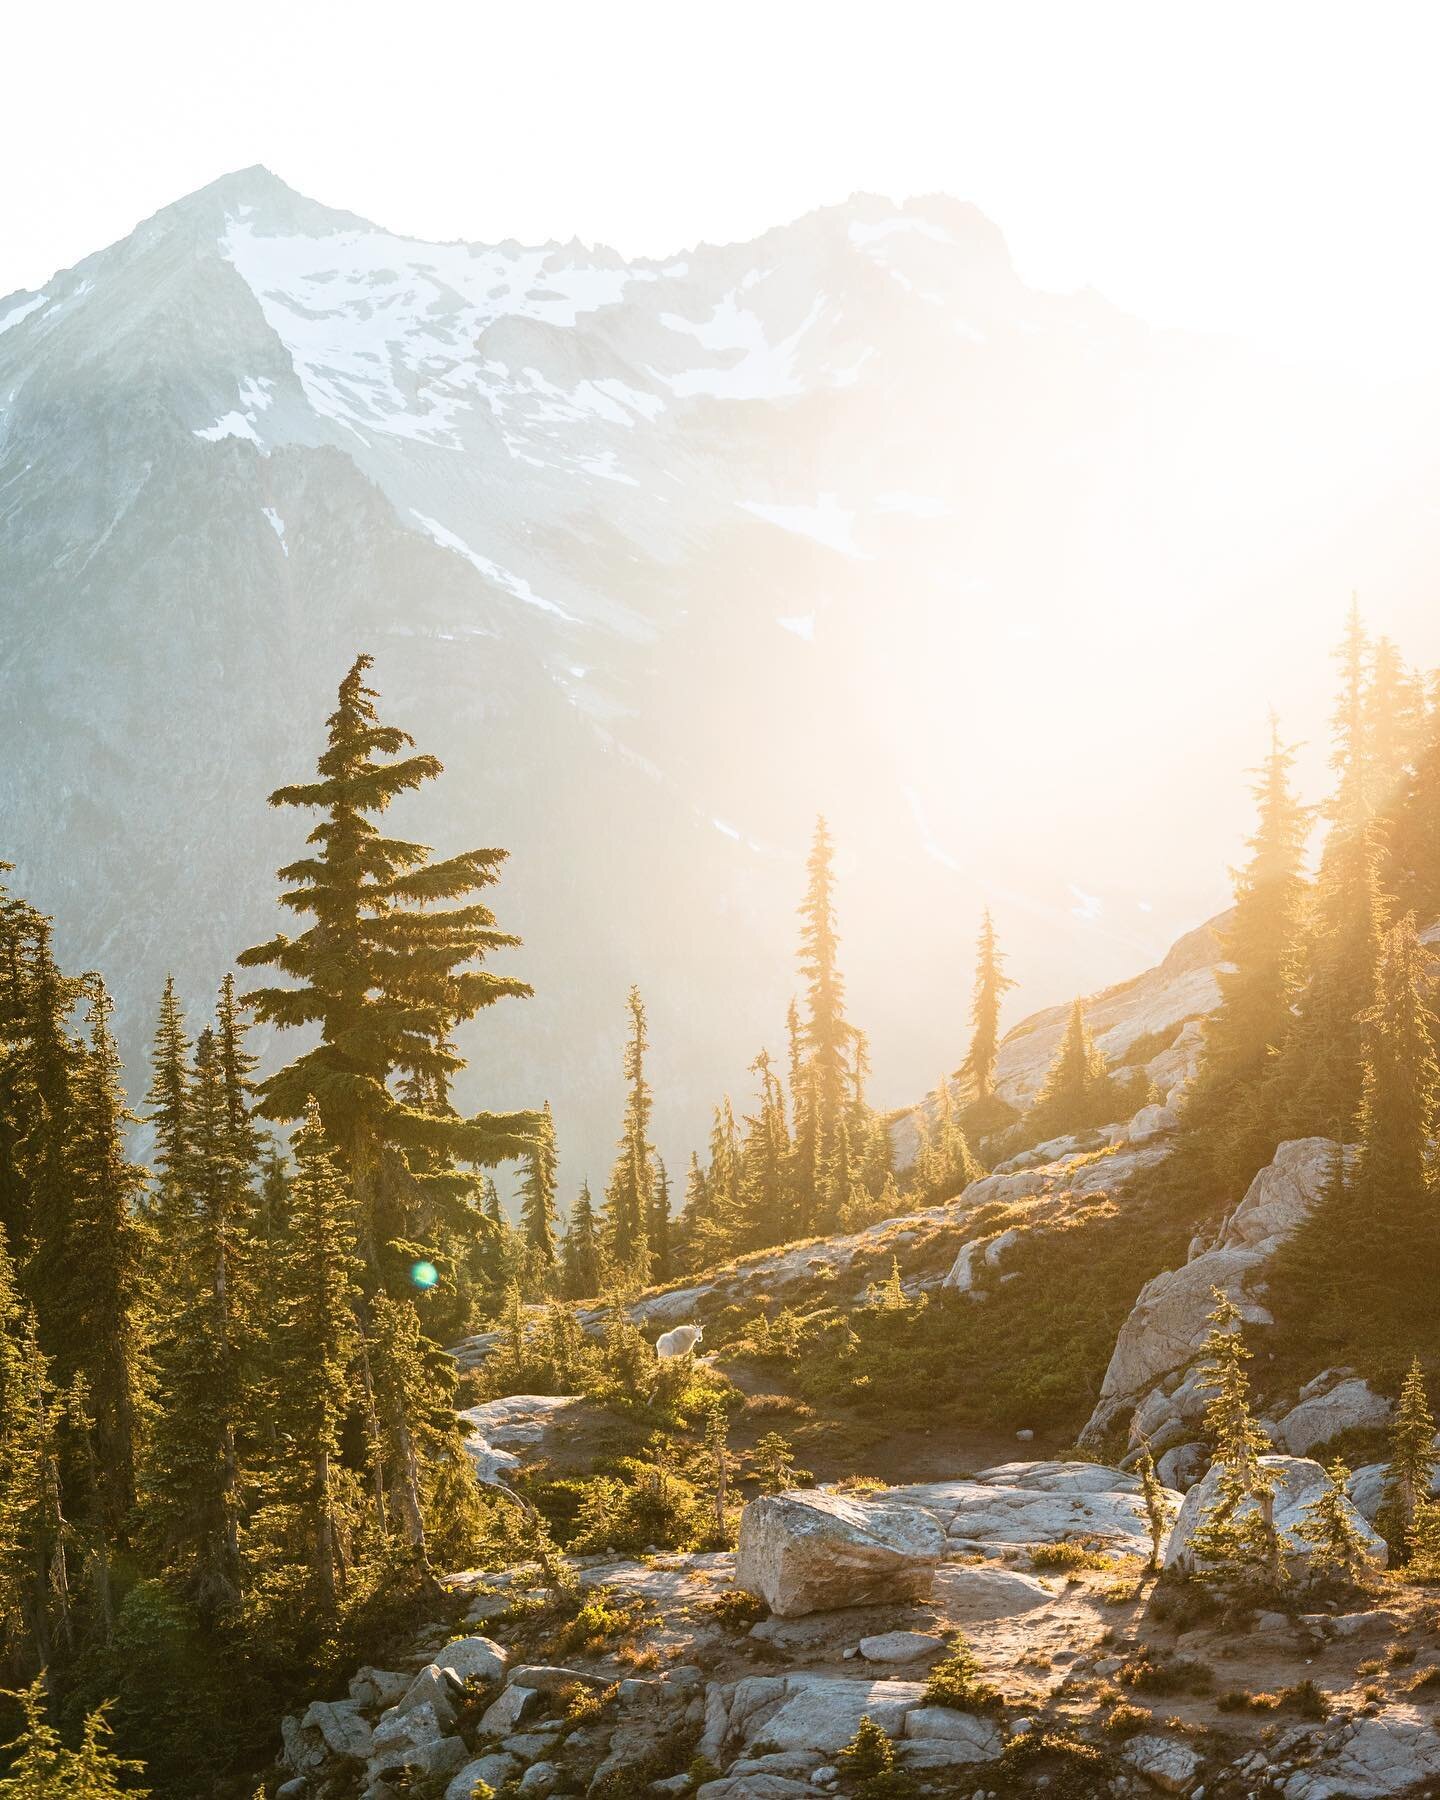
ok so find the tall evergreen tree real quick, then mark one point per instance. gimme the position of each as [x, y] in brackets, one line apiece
[658, 1226]
[104, 1281]
[539, 1216]
[765, 1193]
[581, 1253]
[1077, 1091]
[826, 1033]
[991, 986]
[168, 1100]
[1412, 1463]
[1413, 860]
[1238, 1531]
[389, 965]
[1262, 948]
[632, 1181]
[318, 1306]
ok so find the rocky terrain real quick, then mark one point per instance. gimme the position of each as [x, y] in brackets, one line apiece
[747, 1674]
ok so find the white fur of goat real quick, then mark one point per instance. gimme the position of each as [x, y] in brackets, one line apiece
[679, 1342]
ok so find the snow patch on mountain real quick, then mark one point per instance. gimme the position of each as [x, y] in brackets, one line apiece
[826, 522]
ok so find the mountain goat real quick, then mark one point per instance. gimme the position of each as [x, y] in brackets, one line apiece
[679, 1342]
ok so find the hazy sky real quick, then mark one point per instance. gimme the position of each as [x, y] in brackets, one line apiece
[1266, 169]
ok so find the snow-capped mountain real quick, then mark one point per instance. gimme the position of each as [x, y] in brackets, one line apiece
[661, 558]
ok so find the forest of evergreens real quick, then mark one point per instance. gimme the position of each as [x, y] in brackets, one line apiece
[230, 1461]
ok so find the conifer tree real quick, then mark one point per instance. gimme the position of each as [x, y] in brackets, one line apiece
[1157, 1509]
[1351, 803]
[104, 1260]
[658, 1226]
[194, 1498]
[1262, 948]
[765, 1165]
[632, 1180]
[318, 1306]
[824, 1037]
[1328, 1527]
[1412, 1464]
[389, 965]
[43, 1768]
[1319, 1067]
[1413, 844]
[991, 986]
[539, 1216]
[1077, 1091]
[1392, 1193]
[1394, 714]
[168, 1101]
[1238, 1531]
[581, 1253]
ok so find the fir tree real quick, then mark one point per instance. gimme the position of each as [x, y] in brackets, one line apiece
[1394, 714]
[539, 1216]
[168, 1101]
[1328, 1527]
[658, 1226]
[1413, 864]
[717, 1229]
[1262, 946]
[317, 1305]
[991, 986]
[107, 1251]
[1157, 1508]
[1238, 1531]
[632, 1181]
[1351, 804]
[43, 1768]
[389, 965]
[581, 1252]
[1319, 1069]
[765, 1165]
[824, 1037]
[1077, 1091]
[1411, 1470]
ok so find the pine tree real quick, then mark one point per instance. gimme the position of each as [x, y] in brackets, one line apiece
[1238, 1531]
[658, 1226]
[1077, 1091]
[1157, 1508]
[581, 1253]
[1328, 1527]
[539, 1216]
[773, 1467]
[1413, 863]
[824, 1039]
[1412, 1464]
[765, 1166]
[103, 1285]
[1319, 1068]
[389, 965]
[43, 1768]
[35, 1602]
[1262, 946]
[194, 1499]
[991, 986]
[168, 1101]
[632, 1180]
[1394, 715]
[1393, 1250]
[1350, 806]
[713, 1235]
[318, 1307]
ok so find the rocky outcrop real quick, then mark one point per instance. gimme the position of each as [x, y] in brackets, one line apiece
[1014, 1505]
[1299, 1484]
[804, 1553]
[1335, 1401]
[1157, 1344]
[494, 1429]
[1367, 1759]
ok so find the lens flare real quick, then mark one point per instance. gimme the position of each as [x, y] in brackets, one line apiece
[424, 1274]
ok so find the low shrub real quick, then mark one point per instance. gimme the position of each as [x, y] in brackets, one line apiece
[738, 1610]
[956, 1681]
[1067, 1557]
[1153, 1672]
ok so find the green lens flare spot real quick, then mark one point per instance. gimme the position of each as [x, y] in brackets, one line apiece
[424, 1274]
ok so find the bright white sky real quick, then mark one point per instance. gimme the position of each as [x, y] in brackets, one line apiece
[1261, 168]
